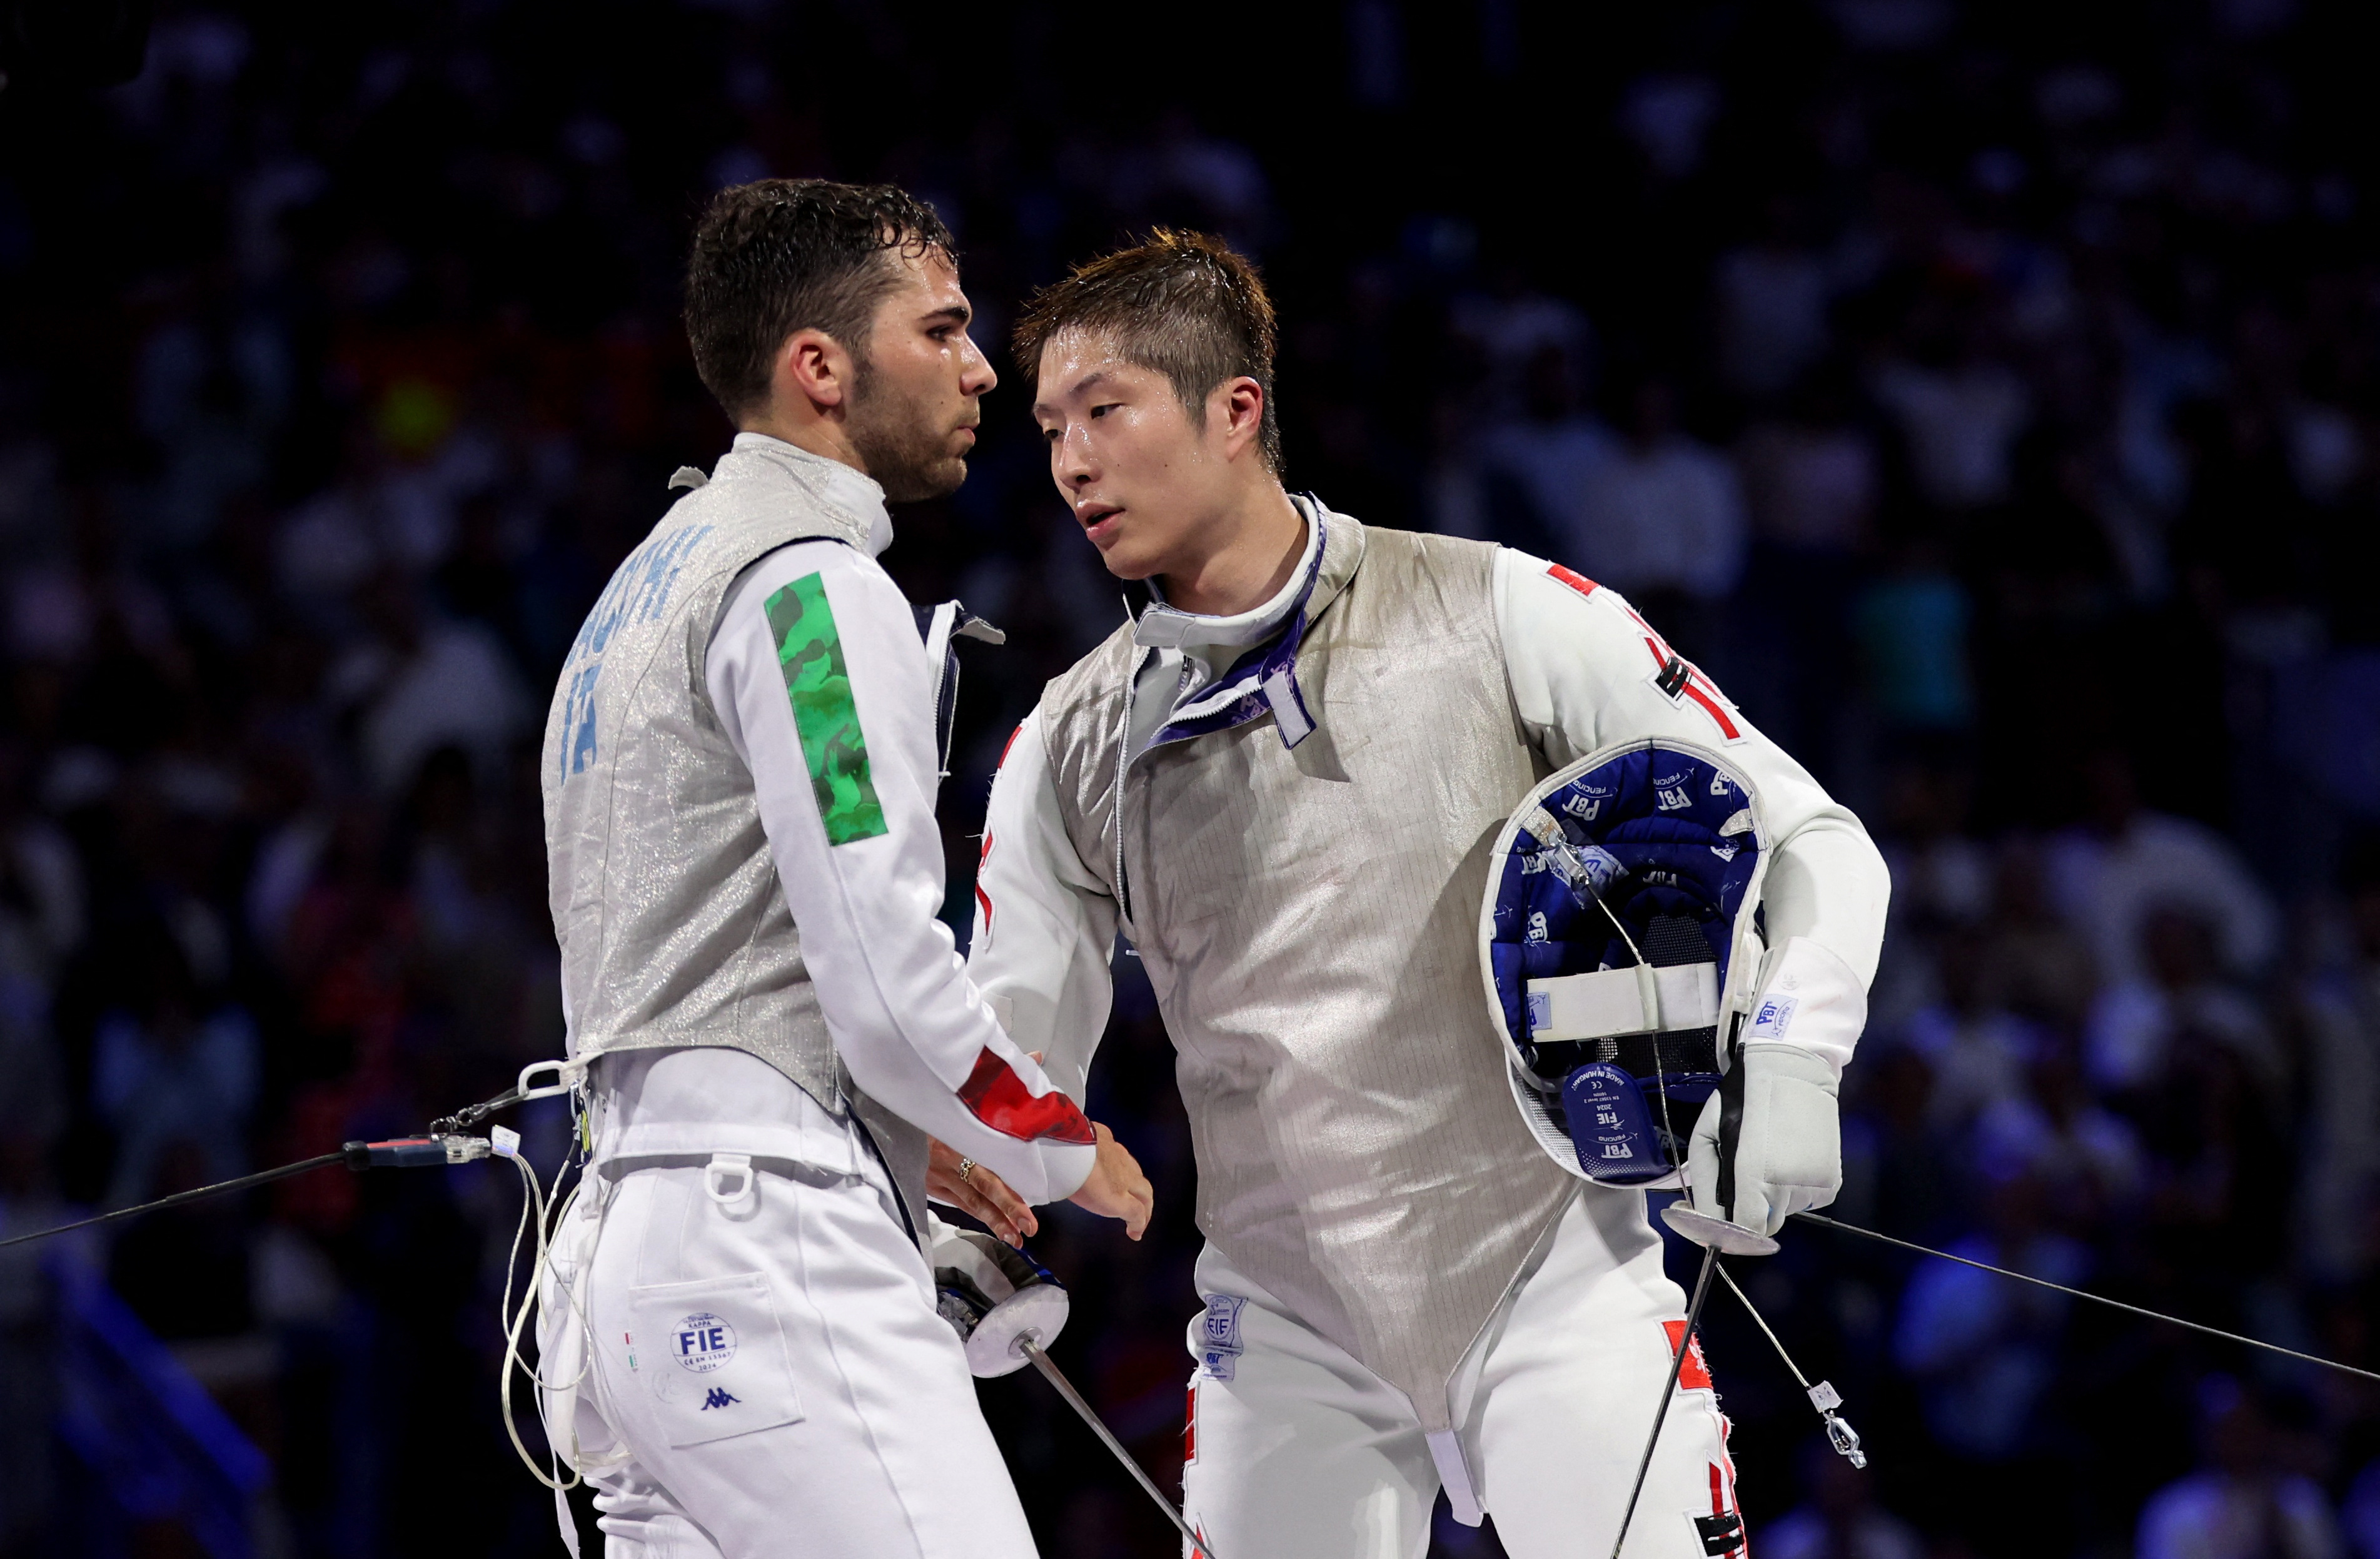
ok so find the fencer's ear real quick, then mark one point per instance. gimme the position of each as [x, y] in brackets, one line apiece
[812, 370]
[1235, 407]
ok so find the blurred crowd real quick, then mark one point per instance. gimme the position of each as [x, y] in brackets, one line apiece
[1987, 398]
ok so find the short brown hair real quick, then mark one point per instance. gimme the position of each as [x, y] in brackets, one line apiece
[1185, 305]
[780, 255]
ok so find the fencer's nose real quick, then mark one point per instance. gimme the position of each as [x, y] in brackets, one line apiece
[1072, 458]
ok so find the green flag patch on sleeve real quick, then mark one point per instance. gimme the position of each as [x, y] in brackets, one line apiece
[809, 653]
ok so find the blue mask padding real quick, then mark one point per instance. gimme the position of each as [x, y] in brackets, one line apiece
[1657, 813]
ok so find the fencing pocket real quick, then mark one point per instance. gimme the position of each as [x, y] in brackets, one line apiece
[713, 1357]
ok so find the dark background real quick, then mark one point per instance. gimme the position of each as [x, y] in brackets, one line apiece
[1984, 395]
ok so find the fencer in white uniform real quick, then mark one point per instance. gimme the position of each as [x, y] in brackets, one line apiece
[740, 1348]
[727, 1198]
[1286, 810]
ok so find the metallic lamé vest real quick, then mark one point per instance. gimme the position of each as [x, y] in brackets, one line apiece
[1309, 919]
[674, 927]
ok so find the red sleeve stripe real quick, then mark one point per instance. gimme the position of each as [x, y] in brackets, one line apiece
[1697, 687]
[1000, 1099]
[1653, 641]
[1006, 745]
[981, 897]
[1576, 581]
[1711, 707]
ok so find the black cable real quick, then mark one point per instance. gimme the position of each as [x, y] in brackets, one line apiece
[436, 1150]
[320, 1161]
[472, 1115]
[2086, 1293]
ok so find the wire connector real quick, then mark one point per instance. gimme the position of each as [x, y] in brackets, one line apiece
[1845, 1440]
[415, 1152]
[1823, 1397]
[1840, 1433]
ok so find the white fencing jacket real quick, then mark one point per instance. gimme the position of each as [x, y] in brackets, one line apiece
[1583, 669]
[907, 1021]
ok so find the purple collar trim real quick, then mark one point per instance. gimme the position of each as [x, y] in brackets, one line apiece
[1262, 681]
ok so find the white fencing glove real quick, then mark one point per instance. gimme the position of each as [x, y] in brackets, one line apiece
[1769, 1142]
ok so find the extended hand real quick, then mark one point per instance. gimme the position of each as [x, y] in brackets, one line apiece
[979, 1193]
[1117, 1189]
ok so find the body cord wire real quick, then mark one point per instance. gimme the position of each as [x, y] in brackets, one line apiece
[221, 1187]
[2086, 1293]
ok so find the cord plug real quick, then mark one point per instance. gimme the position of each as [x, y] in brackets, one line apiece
[414, 1152]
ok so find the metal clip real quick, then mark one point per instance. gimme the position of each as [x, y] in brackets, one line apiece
[1840, 1433]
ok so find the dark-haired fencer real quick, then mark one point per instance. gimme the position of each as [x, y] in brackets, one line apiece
[738, 1328]
[1280, 779]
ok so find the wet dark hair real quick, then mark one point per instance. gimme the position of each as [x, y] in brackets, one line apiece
[1185, 305]
[780, 255]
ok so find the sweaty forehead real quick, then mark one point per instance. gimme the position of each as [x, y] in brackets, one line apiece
[1078, 355]
[929, 271]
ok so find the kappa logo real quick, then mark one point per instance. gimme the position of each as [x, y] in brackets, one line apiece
[1674, 799]
[717, 1396]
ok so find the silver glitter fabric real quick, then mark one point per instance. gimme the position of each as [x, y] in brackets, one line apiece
[673, 928]
[1308, 918]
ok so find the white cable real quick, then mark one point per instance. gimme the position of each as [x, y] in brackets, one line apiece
[1823, 1397]
[533, 1207]
[535, 1199]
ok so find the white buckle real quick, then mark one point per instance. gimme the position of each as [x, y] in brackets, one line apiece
[723, 1166]
[567, 1074]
